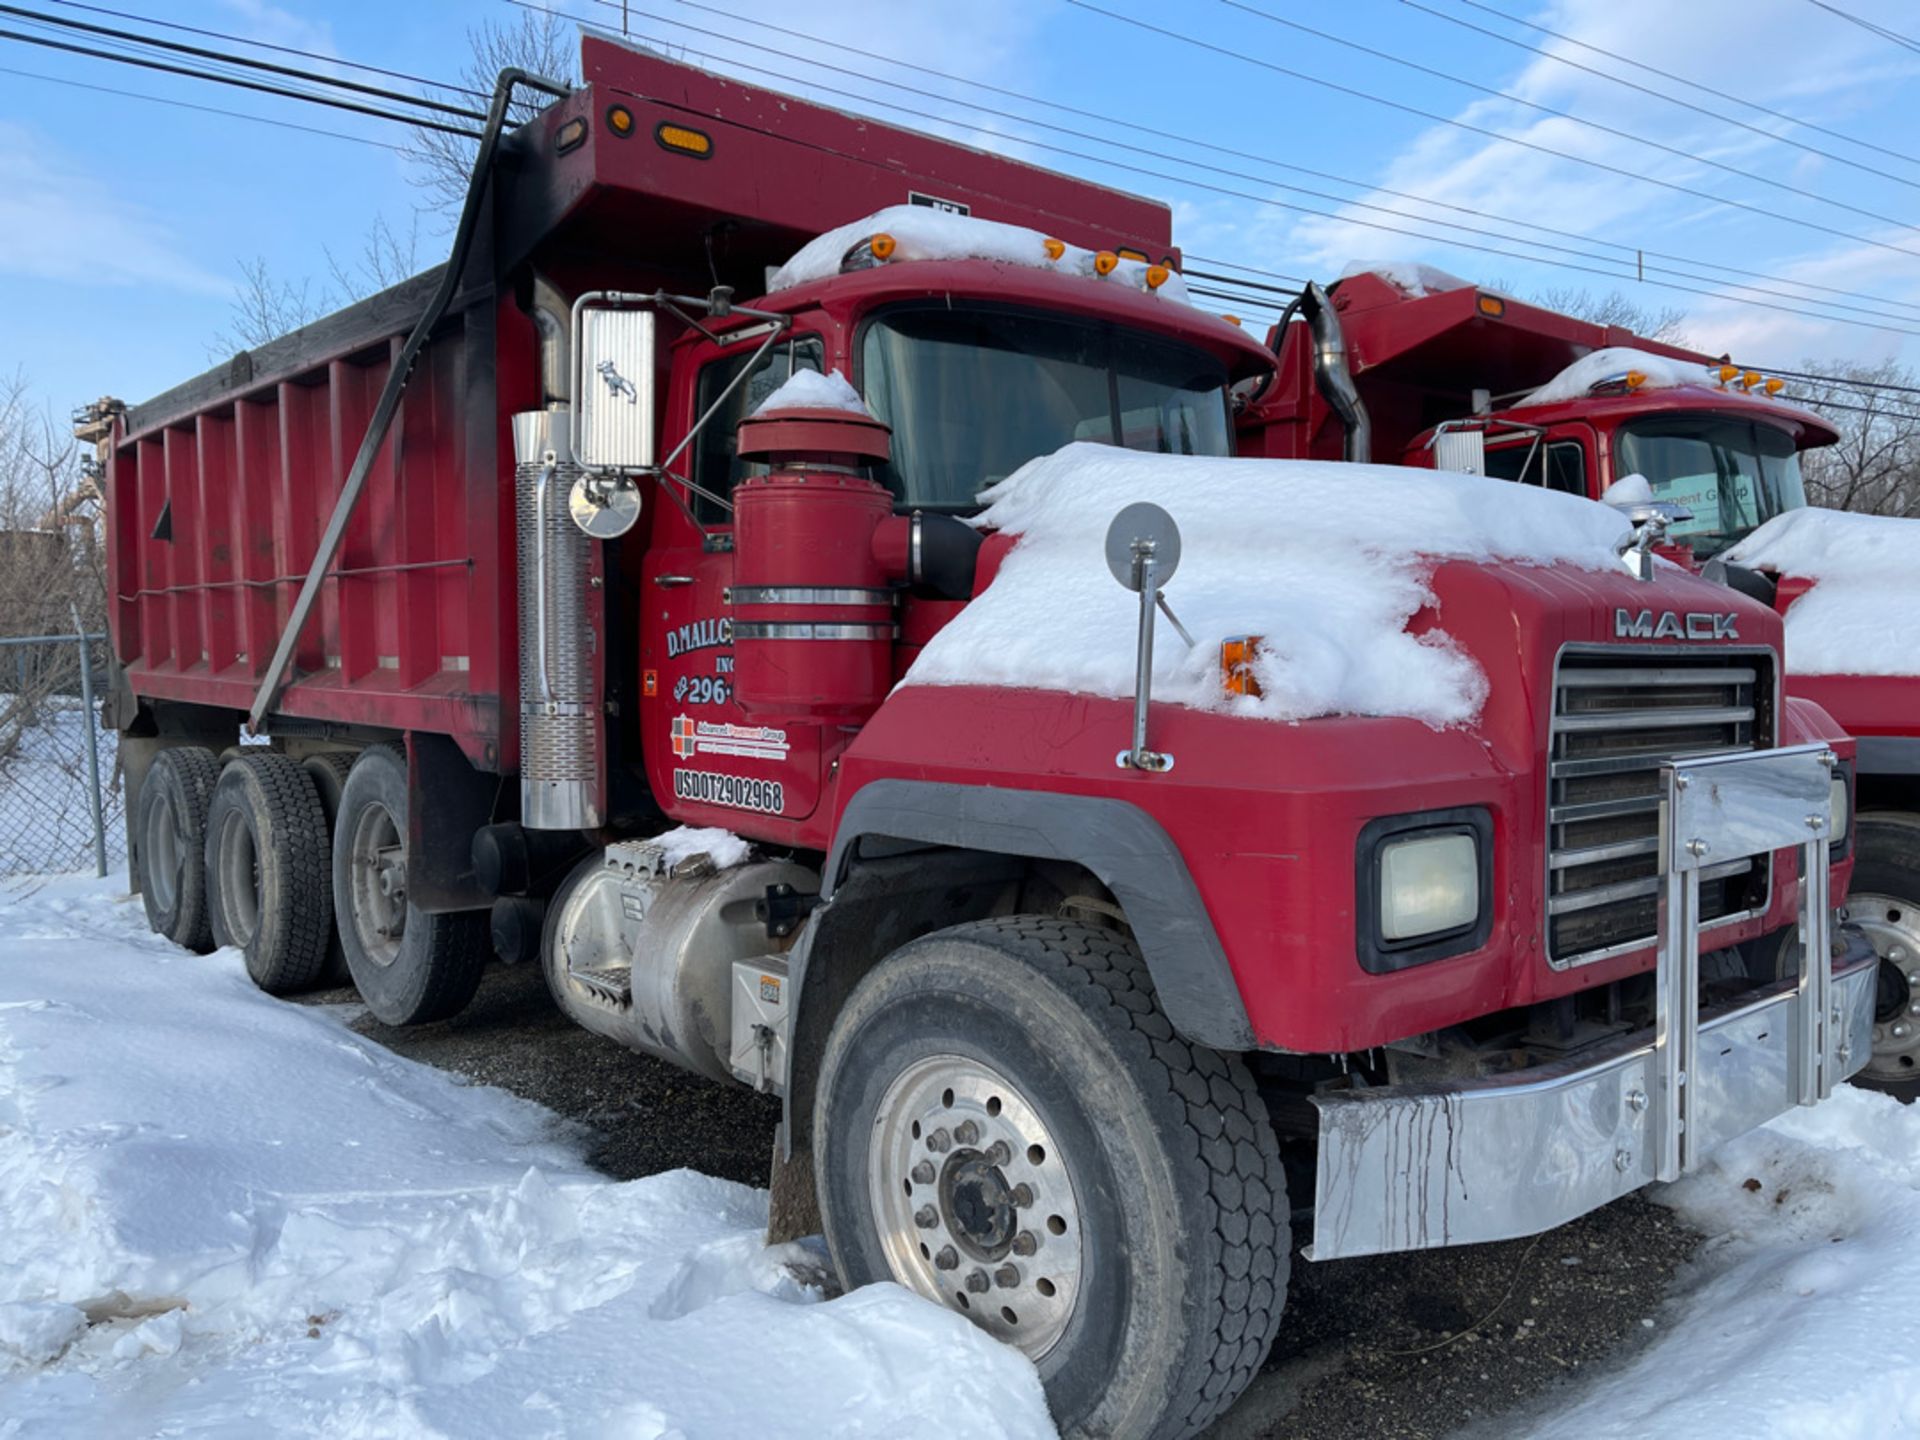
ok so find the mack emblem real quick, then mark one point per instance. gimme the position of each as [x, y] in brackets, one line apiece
[1694, 625]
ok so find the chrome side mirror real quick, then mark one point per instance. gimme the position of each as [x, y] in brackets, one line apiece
[613, 387]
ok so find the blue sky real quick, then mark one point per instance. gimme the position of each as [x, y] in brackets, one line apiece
[123, 222]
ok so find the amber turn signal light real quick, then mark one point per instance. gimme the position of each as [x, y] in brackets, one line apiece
[1236, 665]
[1105, 262]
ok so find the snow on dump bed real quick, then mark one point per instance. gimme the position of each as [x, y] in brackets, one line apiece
[810, 390]
[1612, 362]
[1862, 616]
[1409, 276]
[221, 1214]
[1327, 561]
[1797, 1320]
[921, 232]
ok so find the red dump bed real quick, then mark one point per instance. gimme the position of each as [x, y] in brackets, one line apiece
[220, 488]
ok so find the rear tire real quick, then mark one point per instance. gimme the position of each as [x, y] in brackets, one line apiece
[268, 891]
[409, 966]
[1006, 1123]
[329, 772]
[1885, 902]
[170, 819]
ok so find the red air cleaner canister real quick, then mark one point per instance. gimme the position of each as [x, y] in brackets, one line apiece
[813, 619]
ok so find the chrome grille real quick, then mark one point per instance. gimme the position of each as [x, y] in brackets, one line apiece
[1617, 716]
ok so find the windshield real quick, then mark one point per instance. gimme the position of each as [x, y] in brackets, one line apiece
[974, 394]
[1732, 474]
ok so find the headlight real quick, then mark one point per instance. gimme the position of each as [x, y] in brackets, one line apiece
[1839, 810]
[1429, 885]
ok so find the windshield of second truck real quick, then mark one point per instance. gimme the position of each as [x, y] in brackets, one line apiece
[974, 394]
[1732, 474]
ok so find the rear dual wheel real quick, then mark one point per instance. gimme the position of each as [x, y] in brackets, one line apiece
[266, 866]
[170, 836]
[1006, 1123]
[1885, 903]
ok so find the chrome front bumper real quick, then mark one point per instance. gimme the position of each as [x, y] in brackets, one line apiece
[1416, 1167]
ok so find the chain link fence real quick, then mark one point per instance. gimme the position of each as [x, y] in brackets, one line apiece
[61, 793]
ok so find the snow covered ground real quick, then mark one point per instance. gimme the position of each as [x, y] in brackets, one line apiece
[224, 1215]
[45, 821]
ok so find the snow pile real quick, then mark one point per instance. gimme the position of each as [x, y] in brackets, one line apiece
[1408, 276]
[921, 232]
[1802, 1323]
[810, 390]
[1862, 616]
[223, 1214]
[1633, 489]
[1612, 363]
[1327, 561]
[722, 848]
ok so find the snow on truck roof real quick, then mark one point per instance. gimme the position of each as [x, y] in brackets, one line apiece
[1862, 616]
[1329, 561]
[920, 232]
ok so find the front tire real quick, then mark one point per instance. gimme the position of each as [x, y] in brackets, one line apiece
[170, 819]
[268, 890]
[1885, 903]
[1006, 1123]
[410, 966]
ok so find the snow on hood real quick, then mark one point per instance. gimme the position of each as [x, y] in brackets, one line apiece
[924, 233]
[277, 1227]
[810, 390]
[1862, 616]
[1408, 276]
[1610, 362]
[1328, 561]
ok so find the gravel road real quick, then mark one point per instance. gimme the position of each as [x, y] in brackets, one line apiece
[1400, 1347]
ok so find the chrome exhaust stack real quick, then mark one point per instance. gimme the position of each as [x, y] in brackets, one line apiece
[1333, 374]
[561, 777]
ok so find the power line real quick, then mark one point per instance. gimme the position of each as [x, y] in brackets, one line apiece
[1601, 165]
[1256, 198]
[1837, 380]
[202, 53]
[1669, 99]
[261, 86]
[1680, 80]
[1639, 254]
[203, 109]
[269, 45]
[1870, 26]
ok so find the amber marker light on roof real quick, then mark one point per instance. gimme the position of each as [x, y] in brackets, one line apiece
[620, 121]
[1750, 379]
[684, 140]
[1136, 255]
[1775, 384]
[1157, 276]
[1635, 379]
[1727, 372]
[1105, 262]
[882, 246]
[1231, 319]
[1491, 306]
[571, 135]
[1054, 248]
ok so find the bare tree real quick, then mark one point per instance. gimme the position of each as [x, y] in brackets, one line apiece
[541, 42]
[1616, 308]
[264, 308]
[1875, 465]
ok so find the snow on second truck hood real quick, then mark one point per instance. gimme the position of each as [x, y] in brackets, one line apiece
[222, 1214]
[921, 232]
[1327, 561]
[1862, 616]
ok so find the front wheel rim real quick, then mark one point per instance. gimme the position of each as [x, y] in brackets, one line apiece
[974, 1201]
[1892, 926]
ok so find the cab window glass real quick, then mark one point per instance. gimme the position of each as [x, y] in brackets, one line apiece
[1564, 468]
[716, 468]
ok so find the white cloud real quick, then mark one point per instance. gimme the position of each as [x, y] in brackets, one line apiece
[59, 222]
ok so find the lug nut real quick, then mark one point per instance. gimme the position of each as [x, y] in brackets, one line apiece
[939, 1142]
[947, 1259]
[998, 1153]
[1007, 1277]
[1025, 1243]
[926, 1217]
[967, 1133]
[1022, 1195]
[923, 1173]
[1622, 1160]
[1901, 1031]
[978, 1282]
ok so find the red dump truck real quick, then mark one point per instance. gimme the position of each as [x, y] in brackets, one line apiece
[1065, 1033]
[1415, 367]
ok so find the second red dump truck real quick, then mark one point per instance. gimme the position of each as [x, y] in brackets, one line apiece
[1412, 366]
[1065, 1031]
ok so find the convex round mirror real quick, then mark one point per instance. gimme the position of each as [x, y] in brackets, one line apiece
[1140, 531]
